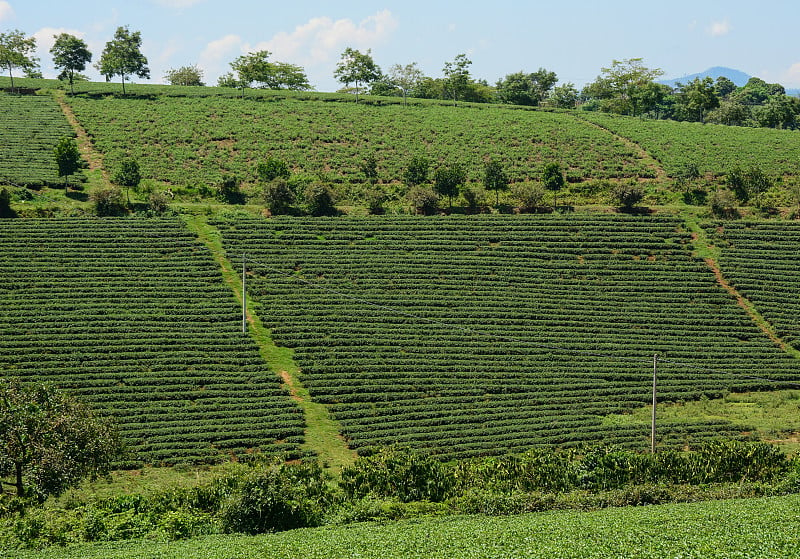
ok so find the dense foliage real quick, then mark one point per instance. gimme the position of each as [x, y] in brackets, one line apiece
[486, 334]
[132, 317]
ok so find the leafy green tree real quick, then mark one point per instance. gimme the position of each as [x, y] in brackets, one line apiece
[626, 87]
[423, 199]
[369, 166]
[723, 87]
[16, 51]
[71, 55]
[448, 180]
[49, 441]
[185, 75]
[256, 67]
[526, 89]
[358, 68]
[494, 178]
[127, 175]
[272, 169]
[553, 179]
[779, 111]
[731, 113]
[529, 195]
[456, 76]
[416, 172]
[627, 195]
[406, 78]
[68, 158]
[108, 201]
[319, 199]
[278, 196]
[563, 96]
[229, 189]
[697, 98]
[123, 57]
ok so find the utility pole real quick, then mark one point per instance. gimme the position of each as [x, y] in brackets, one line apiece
[653, 426]
[244, 296]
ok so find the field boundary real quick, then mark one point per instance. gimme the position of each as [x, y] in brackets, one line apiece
[323, 434]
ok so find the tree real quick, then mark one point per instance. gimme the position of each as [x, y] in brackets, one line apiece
[127, 175]
[456, 75]
[448, 180]
[405, 77]
[723, 87]
[71, 55]
[272, 169]
[698, 97]
[526, 89]
[278, 196]
[416, 172]
[564, 96]
[256, 67]
[553, 179]
[16, 52]
[628, 195]
[494, 178]
[357, 67]
[319, 199]
[68, 158]
[185, 75]
[49, 441]
[627, 87]
[122, 57]
[5, 204]
[369, 166]
[108, 201]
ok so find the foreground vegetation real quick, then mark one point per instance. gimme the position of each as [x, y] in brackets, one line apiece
[755, 528]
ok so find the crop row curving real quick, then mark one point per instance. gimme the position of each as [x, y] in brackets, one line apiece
[486, 334]
[132, 316]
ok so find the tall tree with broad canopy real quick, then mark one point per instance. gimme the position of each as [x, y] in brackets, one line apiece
[553, 179]
[456, 75]
[16, 51]
[71, 55]
[447, 180]
[526, 89]
[697, 98]
[256, 67]
[626, 87]
[185, 75]
[49, 441]
[123, 57]
[405, 77]
[358, 68]
[494, 178]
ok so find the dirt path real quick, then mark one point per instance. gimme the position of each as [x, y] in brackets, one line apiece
[89, 154]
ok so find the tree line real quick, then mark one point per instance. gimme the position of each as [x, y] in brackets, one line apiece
[626, 87]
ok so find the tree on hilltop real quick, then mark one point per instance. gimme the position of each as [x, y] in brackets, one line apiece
[405, 77]
[457, 77]
[16, 51]
[626, 87]
[71, 55]
[185, 75]
[122, 57]
[256, 67]
[358, 68]
[526, 89]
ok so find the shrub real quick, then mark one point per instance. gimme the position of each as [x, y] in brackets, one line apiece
[369, 166]
[5, 203]
[627, 195]
[416, 172]
[158, 202]
[529, 195]
[279, 497]
[108, 201]
[723, 203]
[229, 189]
[319, 199]
[375, 199]
[424, 200]
[272, 169]
[475, 197]
[278, 196]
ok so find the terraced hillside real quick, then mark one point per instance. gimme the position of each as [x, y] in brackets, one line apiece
[762, 259]
[32, 126]
[133, 317]
[487, 334]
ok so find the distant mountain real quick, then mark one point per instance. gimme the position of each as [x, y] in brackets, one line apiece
[736, 76]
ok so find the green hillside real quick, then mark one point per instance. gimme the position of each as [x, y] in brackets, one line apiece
[132, 316]
[476, 335]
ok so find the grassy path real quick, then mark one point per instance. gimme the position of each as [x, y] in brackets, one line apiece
[710, 254]
[96, 173]
[322, 432]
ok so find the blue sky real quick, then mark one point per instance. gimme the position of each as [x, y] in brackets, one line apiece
[574, 38]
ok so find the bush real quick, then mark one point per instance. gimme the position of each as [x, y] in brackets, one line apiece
[279, 497]
[319, 199]
[272, 169]
[529, 195]
[108, 201]
[369, 166]
[424, 200]
[723, 203]
[278, 196]
[375, 199]
[229, 189]
[475, 197]
[5, 203]
[158, 203]
[416, 172]
[628, 195]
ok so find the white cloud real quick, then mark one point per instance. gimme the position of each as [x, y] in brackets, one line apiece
[215, 51]
[789, 78]
[177, 4]
[46, 37]
[321, 38]
[6, 11]
[719, 28]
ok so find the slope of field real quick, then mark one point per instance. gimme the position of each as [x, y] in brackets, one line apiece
[756, 529]
[32, 126]
[762, 259]
[132, 316]
[193, 141]
[487, 334]
[714, 148]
